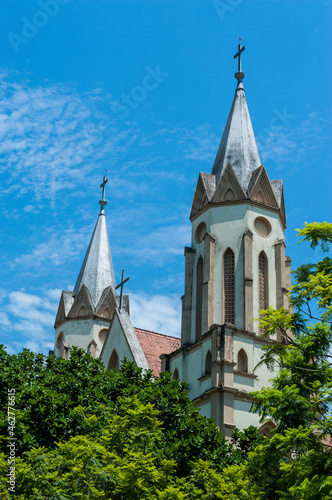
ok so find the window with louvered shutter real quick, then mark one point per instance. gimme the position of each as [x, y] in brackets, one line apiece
[262, 284]
[199, 294]
[229, 287]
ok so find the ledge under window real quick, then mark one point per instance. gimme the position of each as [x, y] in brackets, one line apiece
[243, 374]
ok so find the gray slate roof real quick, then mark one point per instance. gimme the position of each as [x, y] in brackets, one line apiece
[238, 144]
[277, 188]
[97, 271]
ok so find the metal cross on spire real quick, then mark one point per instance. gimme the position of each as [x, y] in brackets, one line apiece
[239, 75]
[103, 184]
[120, 285]
[238, 54]
[103, 202]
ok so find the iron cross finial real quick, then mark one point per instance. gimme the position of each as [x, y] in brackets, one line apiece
[103, 184]
[238, 54]
[103, 202]
[239, 75]
[120, 285]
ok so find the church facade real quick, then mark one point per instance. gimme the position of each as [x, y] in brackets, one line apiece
[234, 267]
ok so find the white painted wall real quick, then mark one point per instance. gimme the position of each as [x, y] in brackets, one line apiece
[242, 416]
[227, 224]
[80, 332]
[205, 410]
[117, 341]
[192, 366]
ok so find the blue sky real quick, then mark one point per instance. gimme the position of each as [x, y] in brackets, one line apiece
[72, 103]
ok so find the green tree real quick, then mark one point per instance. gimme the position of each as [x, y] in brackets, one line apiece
[49, 390]
[84, 432]
[297, 462]
[125, 461]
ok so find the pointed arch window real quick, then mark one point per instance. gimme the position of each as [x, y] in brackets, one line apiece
[199, 298]
[114, 361]
[176, 374]
[229, 195]
[106, 313]
[65, 351]
[208, 361]
[229, 287]
[82, 311]
[260, 197]
[242, 361]
[62, 346]
[93, 349]
[263, 299]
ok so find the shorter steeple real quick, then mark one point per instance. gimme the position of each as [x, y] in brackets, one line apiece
[97, 271]
[238, 144]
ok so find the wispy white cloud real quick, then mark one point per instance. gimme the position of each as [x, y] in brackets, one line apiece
[293, 144]
[30, 317]
[52, 136]
[158, 313]
[159, 246]
[198, 144]
[53, 248]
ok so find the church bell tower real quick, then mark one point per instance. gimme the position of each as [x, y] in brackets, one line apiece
[235, 267]
[84, 315]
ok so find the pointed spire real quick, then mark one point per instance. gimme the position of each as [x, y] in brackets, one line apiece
[238, 144]
[97, 271]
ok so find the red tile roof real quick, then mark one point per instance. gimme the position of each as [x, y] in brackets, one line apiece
[154, 344]
[327, 441]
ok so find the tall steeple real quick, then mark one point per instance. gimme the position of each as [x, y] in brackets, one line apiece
[235, 267]
[97, 271]
[238, 144]
[84, 315]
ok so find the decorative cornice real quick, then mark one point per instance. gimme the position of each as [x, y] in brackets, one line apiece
[239, 202]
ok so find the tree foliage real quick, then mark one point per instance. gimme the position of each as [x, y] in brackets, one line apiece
[297, 462]
[85, 432]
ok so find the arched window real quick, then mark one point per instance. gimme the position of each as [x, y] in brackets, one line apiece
[229, 195]
[259, 197]
[106, 313]
[82, 311]
[62, 346]
[199, 297]
[93, 349]
[65, 350]
[176, 374]
[242, 361]
[266, 429]
[114, 361]
[208, 361]
[229, 287]
[263, 300]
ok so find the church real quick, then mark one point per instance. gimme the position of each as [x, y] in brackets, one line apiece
[234, 267]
